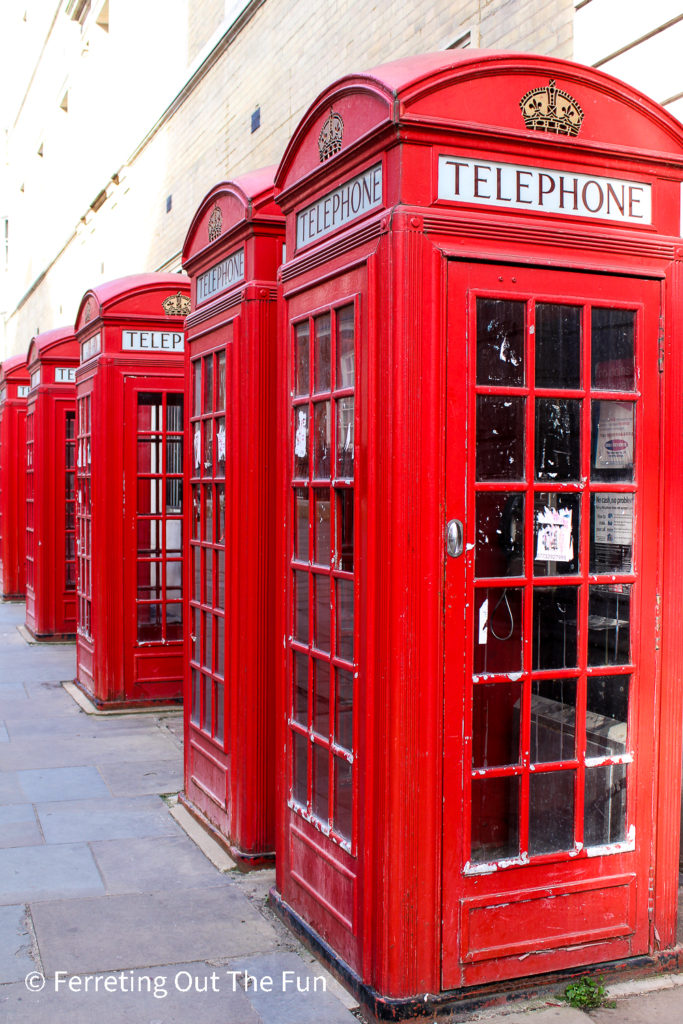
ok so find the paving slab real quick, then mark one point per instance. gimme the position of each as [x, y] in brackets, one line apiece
[15, 945]
[11, 691]
[10, 790]
[141, 777]
[43, 784]
[153, 865]
[66, 751]
[45, 872]
[4, 738]
[18, 826]
[131, 999]
[117, 932]
[73, 821]
[663, 1007]
[282, 988]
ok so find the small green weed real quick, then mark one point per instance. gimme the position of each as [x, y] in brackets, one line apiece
[587, 994]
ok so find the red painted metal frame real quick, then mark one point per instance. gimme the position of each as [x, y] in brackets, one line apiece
[389, 909]
[13, 390]
[230, 579]
[50, 415]
[117, 667]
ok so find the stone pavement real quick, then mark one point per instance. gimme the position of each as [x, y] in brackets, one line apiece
[110, 913]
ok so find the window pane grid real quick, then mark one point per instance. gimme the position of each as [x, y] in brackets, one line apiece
[582, 494]
[84, 517]
[208, 431]
[321, 552]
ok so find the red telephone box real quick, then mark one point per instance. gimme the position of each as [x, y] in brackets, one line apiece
[130, 643]
[232, 252]
[13, 391]
[50, 485]
[481, 694]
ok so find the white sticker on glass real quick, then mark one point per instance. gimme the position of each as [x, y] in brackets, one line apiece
[554, 538]
[301, 436]
[483, 621]
[614, 448]
[220, 443]
[197, 447]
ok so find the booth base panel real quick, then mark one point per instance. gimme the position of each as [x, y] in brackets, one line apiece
[13, 598]
[471, 999]
[160, 703]
[244, 861]
[45, 638]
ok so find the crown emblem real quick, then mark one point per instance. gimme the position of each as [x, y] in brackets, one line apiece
[89, 311]
[550, 109]
[215, 223]
[331, 134]
[176, 305]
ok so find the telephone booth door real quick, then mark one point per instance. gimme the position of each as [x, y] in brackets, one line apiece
[13, 390]
[153, 535]
[551, 595]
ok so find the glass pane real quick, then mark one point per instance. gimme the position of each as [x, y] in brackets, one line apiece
[345, 437]
[208, 383]
[495, 724]
[207, 596]
[301, 384]
[322, 360]
[556, 534]
[150, 581]
[558, 437]
[301, 607]
[301, 442]
[149, 622]
[196, 512]
[343, 725]
[321, 591]
[551, 812]
[149, 537]
[500, 438]
[299, 768]
[174, 455]
[558, 346]
[321, 526]
[220, 579]
[612, 349]
[499, 546]
[495, 819]
[174, 416]
[301, 524]
[149, 411]
[321, 706]
[208, 701]
[196, 589]
[606, 715]
[194, 713]
[195, 634]
[555, 626]
[604, 818]
[220, 446]
[344, 529]
[149, 456]
[611, 547]
[174, 496]
[321, 782]
[300, 691]
[174, 537]
[196, 448]
[346, 356]
[609, 620]
[208, 448]
[321, 461]
[207, 653]
[612, 441]
[500, 342]
[344, 616]
[149, 495]
[553, 720]
[220, 513]
[219, 667]
[343, 798]
[196, 387]
[174, 621]
[220, 712]
[208, 512]
[220, 380]
[498, 630]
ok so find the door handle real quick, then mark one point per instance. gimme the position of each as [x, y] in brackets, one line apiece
[454, 538]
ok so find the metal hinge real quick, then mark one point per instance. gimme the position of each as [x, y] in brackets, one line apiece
[660, 344]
